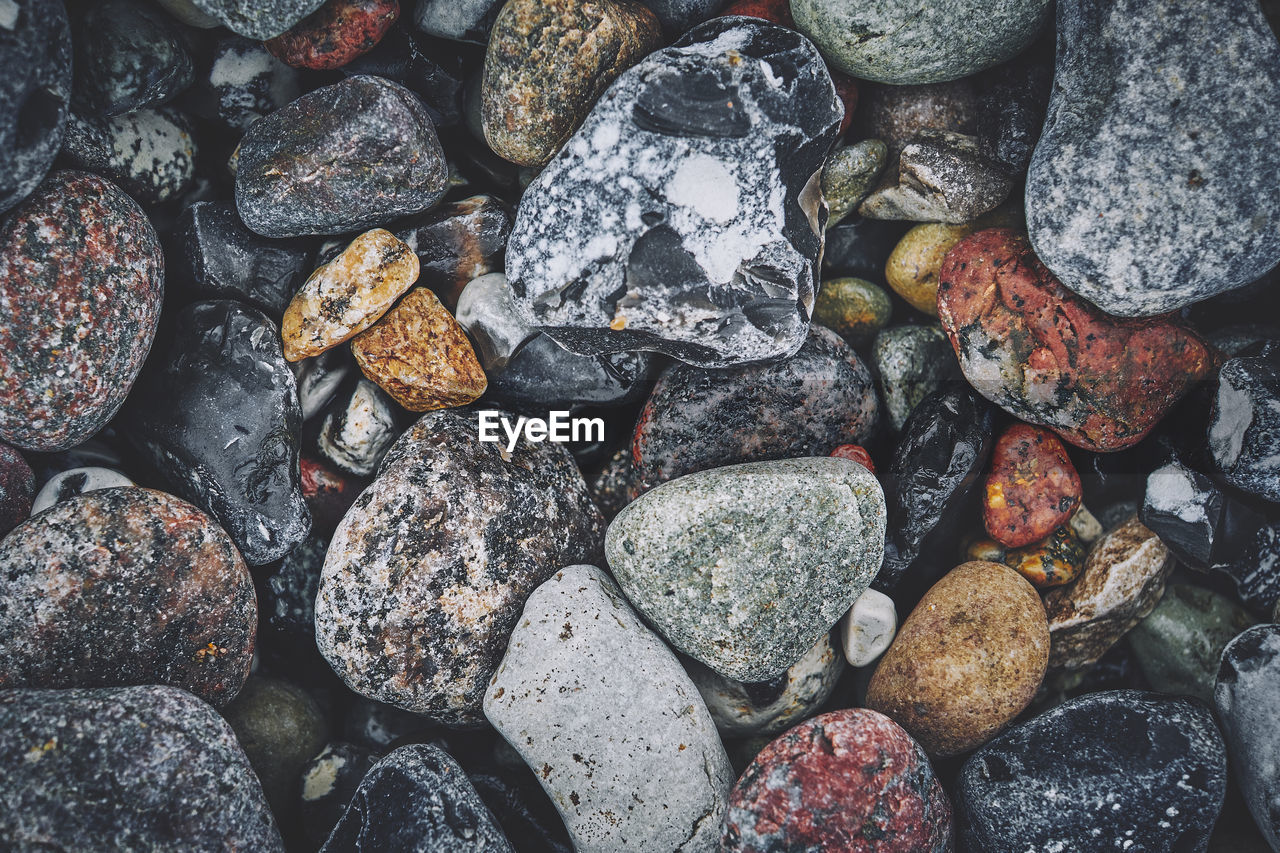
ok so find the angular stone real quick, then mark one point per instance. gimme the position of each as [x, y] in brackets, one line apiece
[458, 243]
[941, 177]
[359, 429]
[850, 174]
[868, 628]
[17, 488]
[281, 728]
[335, 34]
[258, 19]
[911, 362]
[1199, 522]
[150, 153]
[75, 482]
[668, 222]
[128, 56]
[1244, 433]
[1256, 571]
[1124, 176]
[1031, 489]
[1248, 688]
[853, 308]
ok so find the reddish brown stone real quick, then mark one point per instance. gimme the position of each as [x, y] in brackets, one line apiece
[335, 34]
[1049, 357]
[1031, 489]
[851, 780]
[17, 489]
[857, 454]
[328, 493]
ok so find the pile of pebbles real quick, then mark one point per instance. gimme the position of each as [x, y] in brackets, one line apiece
[926, 357]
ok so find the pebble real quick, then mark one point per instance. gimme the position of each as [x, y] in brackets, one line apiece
[218, 417]
[1052, 359]
[281, 728]
[868, 629]
[642, 768]
[1122, 178]
[547, 63]
[17, 489]
[460, 20]
[701, 265]
[941, 177]
[171, 601]
[286, 601]
[846, 780]
[1248, 686]
[899, 42]
[127, 56]
[358, 429]
[1194, 517]
[514, 519]
[543, 375]
[335, 34]
[967, 660]
[81, 281]
[244, 82]
[1122, 581]
[1244, 432]
[1053, 561]
[419, 355]
[258, 19]
[150, 153]
[859, 247]
[74, 482]
[148, 767]
[1031, 488]
[1120, 769]
[857, 454]
[431, 69]
[459, 242]
[897, 114]
[345, 157]
[853, 308]
[911, 362]
[1257, 571]
[329, 781]
[679, 16]
[766, 556]
[319, 379]
[850, 174]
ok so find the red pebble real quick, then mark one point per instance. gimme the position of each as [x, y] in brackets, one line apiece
[328, 494]
[851, 780]
[857, 454]
[17, 489]
[1031, 489]
[775, 11]
[335, 34]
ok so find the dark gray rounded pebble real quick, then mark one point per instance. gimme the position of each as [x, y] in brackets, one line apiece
[129, 55]
[281, 728]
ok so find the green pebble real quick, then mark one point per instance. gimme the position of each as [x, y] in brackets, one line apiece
[853, 308]
[850, 175]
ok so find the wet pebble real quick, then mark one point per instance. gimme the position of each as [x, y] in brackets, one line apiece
[869, 627]
[911, 362]
[128, 56]
[853, 308]
[1244, 432]
[1031, 489]
[1247, 688]
[458, 242]
[358, 429]
[850, 174]
[151, 153]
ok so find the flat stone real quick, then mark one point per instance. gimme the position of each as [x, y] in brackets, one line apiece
[1247, 688]
[258, 19]
[1244, 432]
[869, 627]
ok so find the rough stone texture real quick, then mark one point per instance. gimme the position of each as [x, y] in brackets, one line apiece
[281, 728]
[808, 405]
[547, 63]
[911, 362]
[460, 20]
[1031, 489]
[1126, 179]
[896, 41]
[150, 153]
[81, 281]
[419, 355]
[1122, 582]
[359, 429]
[348, 294]
[244, 82]
[677, 16]
[329, 781]
[258, 19]
[125, 586]
[897, 114]
[74, 482]
[128, 55]
[218, 416]
[868, 629]
[850, 174]
[853, 308]
[744, 567]
[426, 575]
[1247, 690]
[611, 486]
[132, 768]
[287, 602]
[17, 488]
[941, 177]
[1244, 433]
[1050, 358]
[35, 51]
[966, 661]
[345, 157]
[417, 800]
[641, 768]
[335, 34]
[849, 780]
[458, 243]
[1053, 561]
[1097, 773]
[685, 215]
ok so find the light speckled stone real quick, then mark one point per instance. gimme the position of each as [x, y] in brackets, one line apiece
[940, 177]
[640, 768]
[258, 19]
[868, 628]
[1246, 695]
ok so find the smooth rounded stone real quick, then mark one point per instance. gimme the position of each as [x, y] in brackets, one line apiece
[281, 728]
[1123, 176]
[150, 153]
[911, 362]
[678, 16]
[335, 34]
[547, 63]
[899, 42]
[243, 83]
[941, 177]
[744, 567]
[359, 429]
[853, 308]
[418, 800]
[1244, 432]
[128, 55]
[859, 247]
[807, 405]
[219, 258]
[286, 600]
[171, 602]
[486, 309]
[1102, 771]
[81, 282]
[458, 243]
[1053, 561]
[329, 781]
[1049, 358]
[188, 13]
[35, 51]
[345, 157]
[642, 768]
[1031, 488]
[768, 707]
[458, 20]
[75, 482]
[544, 375]
[847, 780]
[258, 19]
[850, 174]
[943, 451]
[967, 660]
[1122, 582]
[417, 613]
[348, 294]
[1248, 686]
[218, 417]
[868, 629]
[1178, 646]
[319, 379]
[669, 222]
[17, 489]
[128, 768]
[419, 355]
[856, 453]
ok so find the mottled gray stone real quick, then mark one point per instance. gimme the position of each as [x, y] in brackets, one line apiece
[850, 174]
[1247, 695]
[679, 15]
[911, 362]
[611, 725]
[744, 567]
[258, 19]
[151, 153]
[35, 53]
[1244, 432]
[1151, 186]
[281, 728]
[460, 20]
[941, 177]
[359, 429]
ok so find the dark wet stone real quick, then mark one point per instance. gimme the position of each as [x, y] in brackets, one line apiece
[320, 378]
[358, 428]
[17, 489]
[136, 768]
[1096, 773]
[1246, 695]
[128, 55]
[1012, 103]
[677, 16]
[613, 484]
[287, 603]
[281, 728]
[258, 19]
[432, 69]
[242, 83]
[378, 726]
[345, 157]
[151, 154]
[329, 781]
[328, 493]
[82, 275]
[1244, 433]
[1256, 571]
[460, 20]
[335, 34]
[1201, 523]
[457, 243]
[172, 602]
[911, 362]
[544, 375]
[861, 247]
[218, 416]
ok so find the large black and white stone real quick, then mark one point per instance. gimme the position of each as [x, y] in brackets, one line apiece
[640, 767]
[1244, 432]
[150, 153]
[218, 416]
[685, 214]
[745, 567]
[1126, 179]
[1247, 694]
[258, 19]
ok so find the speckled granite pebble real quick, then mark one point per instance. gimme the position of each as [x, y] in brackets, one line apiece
[128, 55]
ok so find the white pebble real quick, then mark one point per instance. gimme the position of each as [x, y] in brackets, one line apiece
[868, 627]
